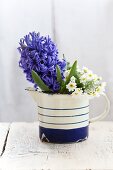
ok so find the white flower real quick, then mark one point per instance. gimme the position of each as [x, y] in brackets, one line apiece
[100, 89]
[66, 73]
[78, 91]
[94, 94]
[99, 78]
[90, 75]
[71, 86]
[95, 77]
[72, 79]
[83, 78]
[85, 69]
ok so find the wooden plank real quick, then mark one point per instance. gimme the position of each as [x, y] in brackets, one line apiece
[25, 151]
[4, 127]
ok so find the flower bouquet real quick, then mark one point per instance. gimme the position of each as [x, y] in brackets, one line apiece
[62, 91]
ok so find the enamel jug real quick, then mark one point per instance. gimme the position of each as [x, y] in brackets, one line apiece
[64, 118]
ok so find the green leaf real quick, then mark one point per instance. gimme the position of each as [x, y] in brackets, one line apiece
[39, 82]
[59, 76]
[73, 72]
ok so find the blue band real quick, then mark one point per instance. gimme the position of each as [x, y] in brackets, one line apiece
[63, 136]
[62, 108]
[64, 123]
[63, 116]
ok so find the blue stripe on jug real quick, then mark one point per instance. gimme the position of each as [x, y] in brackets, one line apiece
[62, 115]
[63, 108]
[64, 123]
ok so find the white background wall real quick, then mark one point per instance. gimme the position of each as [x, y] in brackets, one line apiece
[82, 29]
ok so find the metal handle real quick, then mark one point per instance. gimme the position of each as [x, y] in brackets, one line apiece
[105, 113]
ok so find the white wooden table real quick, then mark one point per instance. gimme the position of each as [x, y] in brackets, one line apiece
[21, 149]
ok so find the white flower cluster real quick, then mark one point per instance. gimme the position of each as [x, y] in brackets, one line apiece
[88, 82]
[91, 83]
[72, 87]
[87, 75]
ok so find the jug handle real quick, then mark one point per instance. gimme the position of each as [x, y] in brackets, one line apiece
[105, 113]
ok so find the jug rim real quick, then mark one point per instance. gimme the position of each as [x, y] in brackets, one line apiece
[56, 94]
